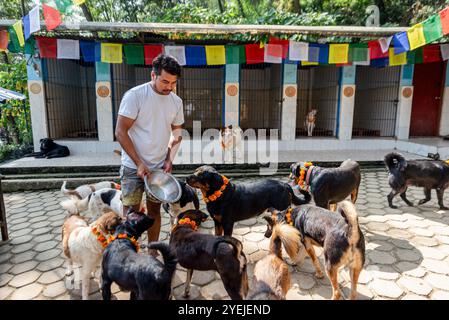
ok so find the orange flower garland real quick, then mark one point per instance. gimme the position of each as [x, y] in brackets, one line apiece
[300, 181]
[217, 194]
[288, 216]
[187, 221]
[447, 161]
[100, 237]
[125, 236]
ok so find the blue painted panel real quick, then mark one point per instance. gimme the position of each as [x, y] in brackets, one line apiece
[290, 73]
[232, 73]
[407, 75]
[348, 75]
[102, 71]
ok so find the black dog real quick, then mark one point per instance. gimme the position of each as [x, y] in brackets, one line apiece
[420, 173]
[50, 149]
[228, 203]
[188, 201]
[329, 185]
[146, 277]
[199, 251]
[339, 234]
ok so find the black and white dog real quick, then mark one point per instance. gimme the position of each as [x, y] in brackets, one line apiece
[188, 201]
[50, 149]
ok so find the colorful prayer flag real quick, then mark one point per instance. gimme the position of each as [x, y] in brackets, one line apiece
[358, 52]
[314, 53]
[215, 55]
[444, 18]
[30, 46]
[397, 59]
[324, 53]
[31, 22]
[235, 54]
[338, 53]
[68, 49]
[4, 38]
[283, 43]
[52, 17]
[273, 53]
[195, 56]
[14, 44]
[309, 63]
[88, 51]
[19, 32]
[111, 53]
[432, 29]
[177, 52]
[298, 51]
[380, 63]
[385, 44]
[400, 43]
[254, 54]
[78, 2]
[432, 53]
[416, 36]
[63, 5]
[376, 50]
[444, 51]
[47, 47]
[151, 51]
[134, 53]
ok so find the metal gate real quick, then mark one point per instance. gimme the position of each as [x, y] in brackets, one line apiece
[376, 101]
[201, 90]
[261, 96]
[70, 99]
[317, 89]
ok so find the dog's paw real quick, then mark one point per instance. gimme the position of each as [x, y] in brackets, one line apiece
[186, 295]
[319, 275]
[392, 206]
[444, 208]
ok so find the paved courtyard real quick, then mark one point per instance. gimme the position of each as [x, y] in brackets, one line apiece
[407, 255]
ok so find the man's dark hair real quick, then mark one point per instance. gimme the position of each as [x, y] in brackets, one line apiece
[167, 63]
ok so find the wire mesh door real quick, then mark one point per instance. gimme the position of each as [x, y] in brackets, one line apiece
[201, 90]
[261, 96]
[317, 89]
[70, 99]
[376, 101]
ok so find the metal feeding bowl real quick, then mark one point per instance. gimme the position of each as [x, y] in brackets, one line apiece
[162, 187]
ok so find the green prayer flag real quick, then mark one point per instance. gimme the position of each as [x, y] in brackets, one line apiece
[415, 56]
[358, 52]
[235, 55]
[14, 45]
[30, 45]
[433, 29]
[63, 5]
[134, 54]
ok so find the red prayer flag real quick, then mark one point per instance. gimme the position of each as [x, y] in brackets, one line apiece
[52, 17]
[274, 50]
[432, 53]
[151, 51]
[254, 53]
[283, 43]
[47, 47]
[376, 50]
[444, 16]
[3, 39]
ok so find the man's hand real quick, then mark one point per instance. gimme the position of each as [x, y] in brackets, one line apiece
[168, 166]
[142, 171]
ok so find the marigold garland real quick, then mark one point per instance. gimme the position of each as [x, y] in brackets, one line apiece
[288, 216]
[125, 236]
[187, 221]
[100, 237]
[447, 161]
[217, 194]
[300, 181]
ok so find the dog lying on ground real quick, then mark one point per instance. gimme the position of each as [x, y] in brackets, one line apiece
[328, 185]
[50, 149]
[199, 251]
[85, 190]
[228, 202]
[339, 235]
[84, 244]
[188, 201]
[420, 173]
[271, 275]
[146, 277]
[97, 203]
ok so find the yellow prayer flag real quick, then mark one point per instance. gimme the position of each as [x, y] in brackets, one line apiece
[416, 36]
[111, 52]
[215, 55]
[397, 59]
[19, 32]
[308, 63]
[338, 53]
[78, 2]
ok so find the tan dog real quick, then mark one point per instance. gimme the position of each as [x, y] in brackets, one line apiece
[271, 275]
[85, 190]
[231, 138]
[310, 121]
[84, 244]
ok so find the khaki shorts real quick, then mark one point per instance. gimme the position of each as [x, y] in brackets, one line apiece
[133, 187]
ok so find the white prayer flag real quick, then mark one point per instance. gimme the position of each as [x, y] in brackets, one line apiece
[177, 52]
[298, 51]
[444, 51]
[68, 49]
[35, 23]
[269, 58]
[385, 43]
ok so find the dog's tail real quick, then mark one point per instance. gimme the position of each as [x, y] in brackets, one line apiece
[394, 160]
[289, 237]
[69, 192]
[75, 206]
[236, 244]
[168, 255]
[297, 201]
[347, 210]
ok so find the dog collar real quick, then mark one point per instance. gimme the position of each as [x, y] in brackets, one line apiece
[301, 181]
[309, 173]
[217, 194]
[100, 237]
[187, 222]
[288, 216]
[125, 236]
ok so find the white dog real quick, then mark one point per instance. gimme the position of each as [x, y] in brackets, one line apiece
[310, 121]
[231, 138]
[84, 244]
[97, 203]
[83, 191]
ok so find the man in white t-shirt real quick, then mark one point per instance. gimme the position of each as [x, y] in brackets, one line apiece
[149, 128]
